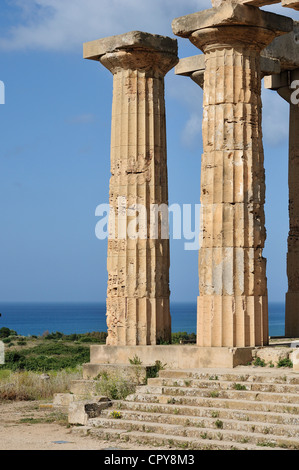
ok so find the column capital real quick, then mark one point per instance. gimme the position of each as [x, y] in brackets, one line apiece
[221, 27]
[282, 83]
[135, 50]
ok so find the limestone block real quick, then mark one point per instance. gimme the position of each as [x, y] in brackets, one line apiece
[232, 321]
[83, 388]
[232, 176]
[134, 39]
[81, 411]
[295, 360]
[172, 356]
[135, 373]
[233, 225]
[63, 399]
[230, 13]
[290, 4]
[272, 355]
[232, 271]
[285, 49]
[254, 3]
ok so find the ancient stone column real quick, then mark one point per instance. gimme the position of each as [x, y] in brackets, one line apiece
[138, 263]
[283, 85]
[194, 67]
[232, 306]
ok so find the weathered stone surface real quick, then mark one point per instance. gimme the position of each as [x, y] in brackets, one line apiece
[255, 3]
[290, 4]
[260, 3]
[285, 49]
[232, 306]
[94, 50]
[272, 355]
[295, 360]
[194, 67]
[138, 263]
[83, 388]
[172, 357]
[63, 399]
[135, 373]
[81, 411]
[229, 14]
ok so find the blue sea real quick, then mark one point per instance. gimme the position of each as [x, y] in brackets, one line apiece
[36, 318]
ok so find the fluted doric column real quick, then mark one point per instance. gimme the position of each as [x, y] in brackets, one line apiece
[283, 85]
[232, 306]
[138, 263]
[292, 296]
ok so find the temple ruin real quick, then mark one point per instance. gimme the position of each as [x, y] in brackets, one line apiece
[240, 44]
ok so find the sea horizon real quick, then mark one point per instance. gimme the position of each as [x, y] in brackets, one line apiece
[36, 318]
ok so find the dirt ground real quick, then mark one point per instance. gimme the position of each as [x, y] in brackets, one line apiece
[23, 426]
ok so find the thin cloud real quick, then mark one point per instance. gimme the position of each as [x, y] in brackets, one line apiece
[82, 119]
[65, 25]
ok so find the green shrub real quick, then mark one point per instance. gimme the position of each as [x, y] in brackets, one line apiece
[177, 338]
[285, 363]
[6, 332]
[136, 361]
[46, 357]
[114, 387]
[153, 371]
[258, 362]
[239, 387]
[6, 340]
[26, 386]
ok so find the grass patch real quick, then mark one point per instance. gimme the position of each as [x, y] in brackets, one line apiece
[258, 362]
[285, 363]
[114, 387]
[29, 386]
[46, 356]
[60, 418]
[239, 387]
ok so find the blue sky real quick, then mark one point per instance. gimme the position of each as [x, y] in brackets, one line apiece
[55, 149]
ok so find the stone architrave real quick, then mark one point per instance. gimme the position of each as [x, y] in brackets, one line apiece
[233, 301]
[138, 260]
[283, 85]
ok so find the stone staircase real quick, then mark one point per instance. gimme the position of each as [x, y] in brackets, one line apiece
[218, 410]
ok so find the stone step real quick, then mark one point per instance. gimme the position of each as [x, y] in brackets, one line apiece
[208, 422]
[190, 432]
[270, 376]
[163, 441]
[224, 385]
[186, 392]
[219, 412]
[215, 402]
